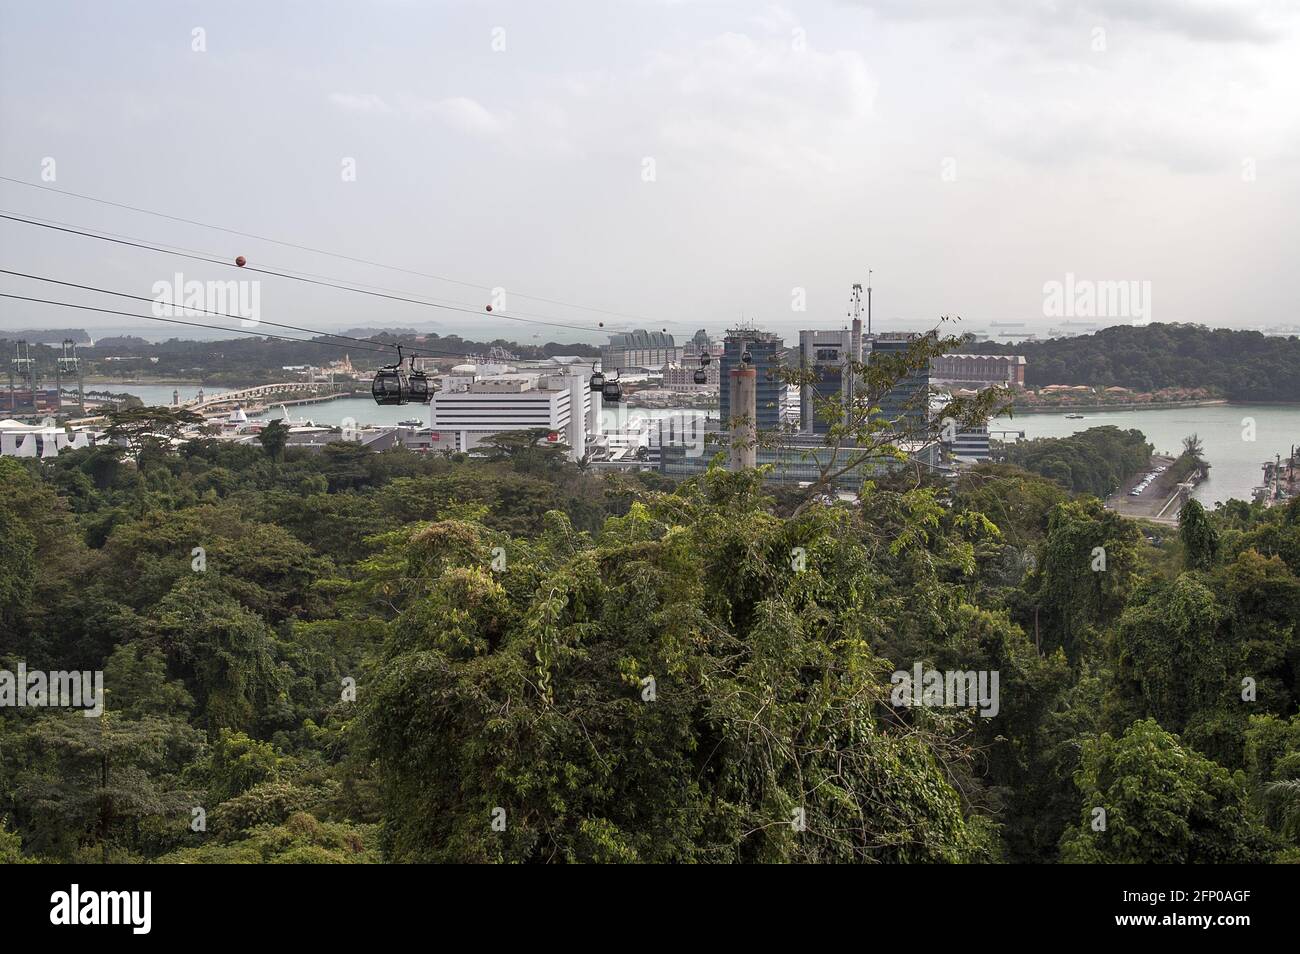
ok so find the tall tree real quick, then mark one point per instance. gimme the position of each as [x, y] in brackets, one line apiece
[273, 438]
[676, 692]
[1200, 539]
[1146, 799]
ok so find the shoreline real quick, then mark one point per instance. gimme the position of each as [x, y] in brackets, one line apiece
[1100, 408]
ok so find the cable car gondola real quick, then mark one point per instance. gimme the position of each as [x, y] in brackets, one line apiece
[597, 378]
[389, 384]
[700, 376]
[417, 383]
[612, 391]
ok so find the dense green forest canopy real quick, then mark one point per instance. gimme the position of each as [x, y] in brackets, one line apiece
[359, 657]
[1238, 365]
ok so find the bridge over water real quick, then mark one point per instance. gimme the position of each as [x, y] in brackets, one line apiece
[261, 391]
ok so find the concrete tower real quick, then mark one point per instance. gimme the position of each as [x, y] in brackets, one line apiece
[744, 434]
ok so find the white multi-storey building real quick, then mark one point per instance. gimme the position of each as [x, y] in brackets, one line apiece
[562, 404]
[970, 445]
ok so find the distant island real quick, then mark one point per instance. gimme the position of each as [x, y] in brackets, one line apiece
[1236, 365]
[262, 360]
[53, 336]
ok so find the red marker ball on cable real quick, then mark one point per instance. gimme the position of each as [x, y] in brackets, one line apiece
[241, 261]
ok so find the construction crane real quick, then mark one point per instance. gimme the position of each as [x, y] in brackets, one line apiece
[22, 370]
[68, 364]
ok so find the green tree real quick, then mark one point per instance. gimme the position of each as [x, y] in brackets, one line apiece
[527, 451]
[1163, 804]
[1088, 565]
[106, 787]
[17, 567]
[1200, 539]
[1170, 662]
[1273, 767]
[238, 763]
[221, 649]
[673, 693]
[300, 840]
[149, 428]
[273, 438]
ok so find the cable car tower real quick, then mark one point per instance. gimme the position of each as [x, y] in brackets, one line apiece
[70, 365]
[855, 312]
[22, 370]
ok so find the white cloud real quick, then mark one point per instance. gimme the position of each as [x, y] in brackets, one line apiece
[761, 102]
[1223, 21]
[361, 103]
[465, 114]
[460, 112]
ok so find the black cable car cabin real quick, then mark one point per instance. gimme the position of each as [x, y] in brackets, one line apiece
[417, 384]
[389, 385]
[612, 391]
[597, 379]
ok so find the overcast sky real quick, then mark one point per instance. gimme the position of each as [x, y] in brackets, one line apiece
[682, 163]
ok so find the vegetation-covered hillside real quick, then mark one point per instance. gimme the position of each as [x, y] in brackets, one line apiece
[355, 657]
[251, 359]
[1239, 365]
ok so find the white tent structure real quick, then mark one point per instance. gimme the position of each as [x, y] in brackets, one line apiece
[38, 440]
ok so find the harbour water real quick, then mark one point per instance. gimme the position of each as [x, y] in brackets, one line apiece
[1225, 430]
[1236, 460]
[156, 394]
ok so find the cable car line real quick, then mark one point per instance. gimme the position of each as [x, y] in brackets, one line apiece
[216, 260]
[192, 324]
[390, 385]
[213, 258]
[186, 308]
[317, 251]
[383, 349]
[292, 277]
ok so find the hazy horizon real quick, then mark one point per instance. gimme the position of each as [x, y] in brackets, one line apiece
[151, 334]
